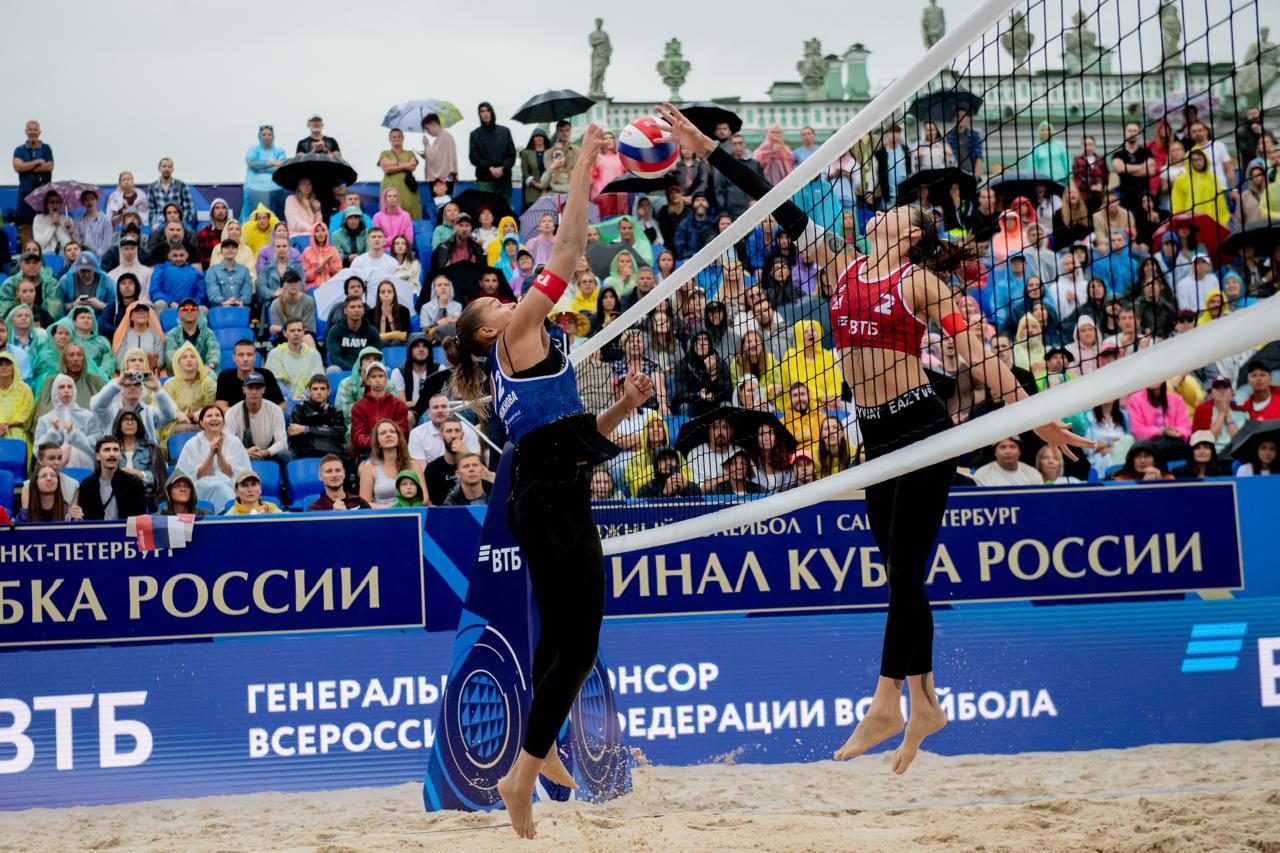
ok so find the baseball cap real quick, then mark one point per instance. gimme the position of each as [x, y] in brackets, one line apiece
[734, 455]
[1109, 349]
[32, 256]
[372, 366]
[253, 378]
[1201, 256]
[1186, 315]
[247, 474]
[129, 239]
[1060, 351]
[314, 117]
[188, 303]
[131, 209]
[1202, 436]
[1255, 364]
[348, 212]
[1220, 381]
[800, 454]
[463, 215]
[1014, 438]
[86, 261]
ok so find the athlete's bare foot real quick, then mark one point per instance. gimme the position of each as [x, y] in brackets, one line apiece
[877, 726]
[553, 768]
[519, 804]
[926, 718]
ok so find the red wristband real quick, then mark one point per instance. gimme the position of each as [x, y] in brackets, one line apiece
[550, 285]
[954, 324]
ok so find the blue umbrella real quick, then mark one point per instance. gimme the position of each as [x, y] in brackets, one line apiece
[409, 115]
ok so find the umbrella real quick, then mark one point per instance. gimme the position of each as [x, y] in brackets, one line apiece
[1204, 102]
[1242, 446]
[600, 256]
[941, 106]
[939, 182]
[633, 184]
[404, 291]
[745, 423]
[325, 171]
[1204, 228]
[1014, 183]
[472, 200]
[1262, 236]
[553, 105]
[705, 115]
[465, 277]
[68, 191]
[1269, 355]
[332, 292]
[409, 115]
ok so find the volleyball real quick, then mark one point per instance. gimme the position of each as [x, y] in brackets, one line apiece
[647, 148]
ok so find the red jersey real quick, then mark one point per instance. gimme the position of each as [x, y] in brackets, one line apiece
[871, 314]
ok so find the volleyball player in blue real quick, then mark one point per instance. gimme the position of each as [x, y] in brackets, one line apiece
[557, 445]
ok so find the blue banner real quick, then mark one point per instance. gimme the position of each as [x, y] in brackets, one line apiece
[1042, 544]
[77, 583]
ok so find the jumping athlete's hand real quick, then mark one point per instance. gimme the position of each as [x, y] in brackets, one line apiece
[685, 132]
[1059, 435]
[592, 141]
[637, 388]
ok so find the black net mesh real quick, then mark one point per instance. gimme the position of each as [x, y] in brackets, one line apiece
[1084, 167]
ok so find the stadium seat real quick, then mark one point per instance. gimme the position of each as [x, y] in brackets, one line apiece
[77, 474]
[55, 263]
[176, 442]
[207, 507]
[229, 317]
[674, 422]
[1111, 471]
[437, 352]
[1175, 464]
[302, 501]
[227, 337]
[269, 475]
[226, 359]
[300, 242]
[6, 491]
[335, 379]
[13, 458]
[393, 357]
[321, 325]
[304, 475]
[1093, 475]
[415, 323]
[168, 318]
[289, 405]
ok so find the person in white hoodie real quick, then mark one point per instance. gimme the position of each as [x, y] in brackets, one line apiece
[1070, 289]
[1085, 347]
[1195, 288]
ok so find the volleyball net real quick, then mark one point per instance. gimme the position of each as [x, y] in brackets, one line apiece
[1088, 167]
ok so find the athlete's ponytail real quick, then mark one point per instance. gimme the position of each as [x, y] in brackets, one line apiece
[943, 258]
[467, 379]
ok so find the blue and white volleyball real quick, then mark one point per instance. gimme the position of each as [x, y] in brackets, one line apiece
[647, 147]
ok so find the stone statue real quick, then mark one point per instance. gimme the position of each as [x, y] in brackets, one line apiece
[1081, 46]
[673, 68]
[813, 69]
[1170, 30]
[933, 24]
[1018, 41]
[601, 52]
[1258, 72]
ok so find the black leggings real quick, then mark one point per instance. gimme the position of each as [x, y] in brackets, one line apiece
[905, 514]
[549, 512]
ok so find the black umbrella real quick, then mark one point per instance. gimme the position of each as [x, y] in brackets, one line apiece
[325, 171]
[705, 115]
[1262, 236]
[552, 105]
[1244, 444]
[939, 182]
[1269, 355]
[634, 184]
[744, 422]
[940, 107]
[465, 277]
[471, 201]
[1013, 184]
[600, 256]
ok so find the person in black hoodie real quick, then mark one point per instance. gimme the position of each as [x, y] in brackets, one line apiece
[109, 493]
[702, 375]
[316, 428]
[720, 330]
[492, 153]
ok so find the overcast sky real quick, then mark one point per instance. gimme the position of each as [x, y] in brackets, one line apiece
[193, 81]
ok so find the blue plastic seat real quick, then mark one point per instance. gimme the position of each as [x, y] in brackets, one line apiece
[300, 242]
[55, 262]
[229, 317]
[1112, 471]
[302, 501]
[321, 325]
[207, 507]
[269, 475]
[304, 475]
[176, 443]
[13, 458]
[227, 337]
[393, 357]
[335, 379]
[415, 323]
[6, 491]
[168, 318]
[77, 474]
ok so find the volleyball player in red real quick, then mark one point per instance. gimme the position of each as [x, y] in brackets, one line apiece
[879, 314]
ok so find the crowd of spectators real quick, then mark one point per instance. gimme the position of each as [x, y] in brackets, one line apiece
[175, 364]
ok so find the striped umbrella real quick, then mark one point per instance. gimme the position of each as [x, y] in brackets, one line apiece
[409, 115]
